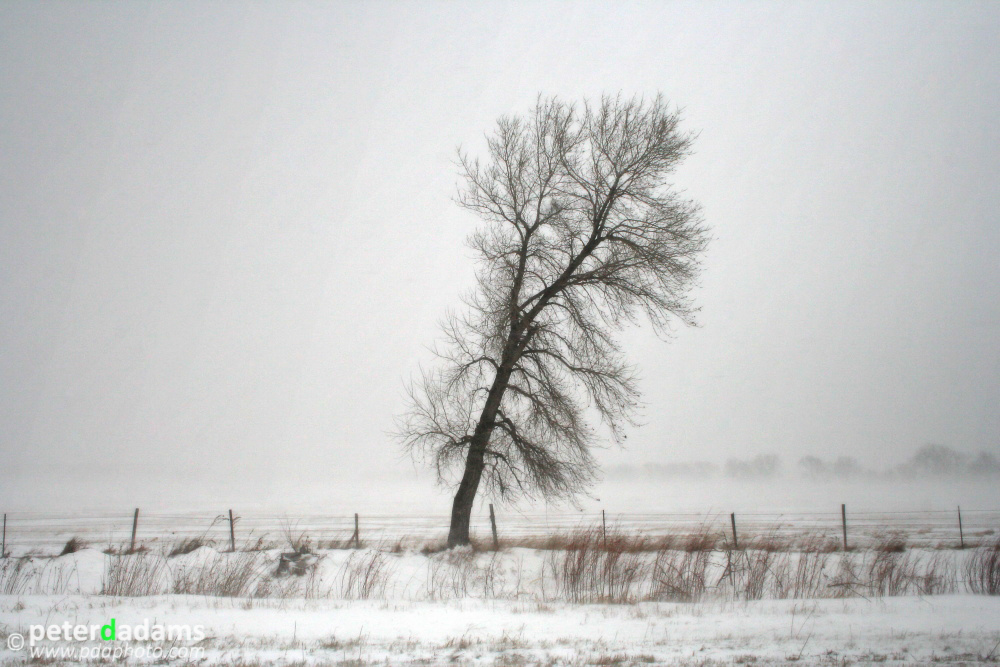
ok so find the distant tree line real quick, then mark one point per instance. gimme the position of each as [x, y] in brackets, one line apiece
[929, 461]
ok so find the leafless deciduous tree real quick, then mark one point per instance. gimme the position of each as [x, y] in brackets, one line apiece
[582, 234]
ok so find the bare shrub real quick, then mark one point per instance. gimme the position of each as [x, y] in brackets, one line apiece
[225, 575]
[982, 569]
[134, 575]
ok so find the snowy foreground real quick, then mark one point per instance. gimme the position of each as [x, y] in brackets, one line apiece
[512, 608]
[947, 629]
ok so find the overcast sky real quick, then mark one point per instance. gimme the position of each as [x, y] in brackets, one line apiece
[227, 232]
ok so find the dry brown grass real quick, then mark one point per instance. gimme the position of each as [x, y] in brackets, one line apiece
[598, 568]
[982, 569]
[187, 545]
[223, 575]
[614, 539]
[134, 575]
[879, 573]
[890, 543]
[73, 545]
[680, 576]
[800, 576]
[364, 575]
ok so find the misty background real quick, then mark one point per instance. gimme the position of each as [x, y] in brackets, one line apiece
[227, 237]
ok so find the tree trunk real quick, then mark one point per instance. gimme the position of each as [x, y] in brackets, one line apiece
[465, 497]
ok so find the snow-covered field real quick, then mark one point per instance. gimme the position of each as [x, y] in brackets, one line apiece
[518, 606]
[902, 596]
[952, 629]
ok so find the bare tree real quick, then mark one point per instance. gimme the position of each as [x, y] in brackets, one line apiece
[582, 235]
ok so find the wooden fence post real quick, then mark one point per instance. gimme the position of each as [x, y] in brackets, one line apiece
[732, 518]
[357, 533]
[232, 533]
[3, 549]
[961, 535]
[843, 522]
[493, 525]
[135, 526]
[604, 529]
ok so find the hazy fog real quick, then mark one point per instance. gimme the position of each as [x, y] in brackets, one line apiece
[227, 235]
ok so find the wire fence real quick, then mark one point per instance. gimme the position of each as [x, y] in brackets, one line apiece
[47, 533]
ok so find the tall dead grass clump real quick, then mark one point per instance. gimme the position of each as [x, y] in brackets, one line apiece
[134, 575]
[814, 543]
[571, 540]
[28, 576]
[595, 569]
[450, 573]
[701, 538]
[73, 545]
[186, 545]
[892, 573]
[16, 576]
[364, 575]
[459, 573]
[883, 572]
[939, 574]
[192, 543]
[749, 571]
[801, 575]
[233, 574]
[491, 579]
[982, 569]
[890, 543]
[680, 576]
